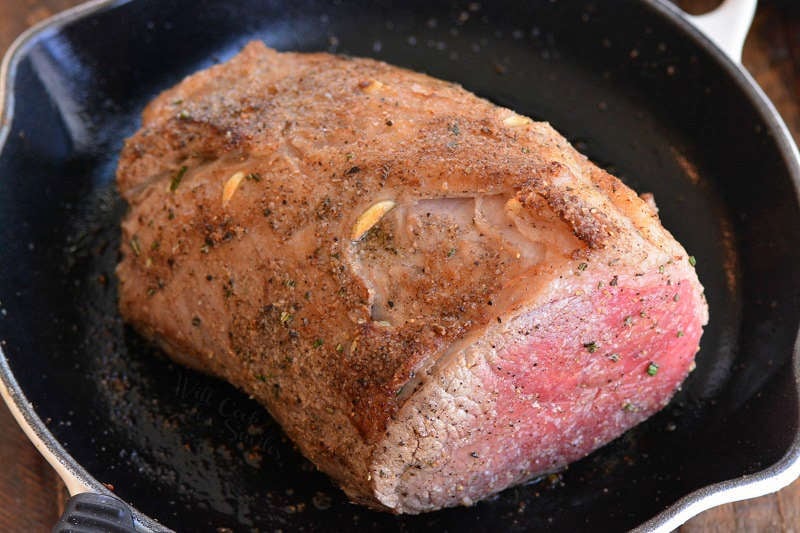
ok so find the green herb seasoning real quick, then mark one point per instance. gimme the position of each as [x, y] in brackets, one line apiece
[176, 179]
[286, 317]
[680, 333]
[339, 348]
[451, 252]
[614, 357]
[692, 260]
[591, 347]
[318, 343]
[583, 266]
[628, 321]
[652, 369]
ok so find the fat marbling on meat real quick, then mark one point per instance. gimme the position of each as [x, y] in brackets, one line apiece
[437, 298]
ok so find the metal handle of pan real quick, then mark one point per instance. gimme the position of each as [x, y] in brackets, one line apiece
[727, 25]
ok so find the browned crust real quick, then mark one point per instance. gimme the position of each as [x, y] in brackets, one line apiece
[591, 225]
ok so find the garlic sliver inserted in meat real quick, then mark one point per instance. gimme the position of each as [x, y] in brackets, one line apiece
[370, 217]
[516, 120]
[230, 187]
[371, 86]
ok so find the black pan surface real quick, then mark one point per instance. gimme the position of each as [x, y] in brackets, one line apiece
[624, 81]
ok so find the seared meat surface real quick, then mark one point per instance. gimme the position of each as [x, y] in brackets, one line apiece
[437, 298]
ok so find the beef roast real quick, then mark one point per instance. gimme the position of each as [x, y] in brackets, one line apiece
[436, 297]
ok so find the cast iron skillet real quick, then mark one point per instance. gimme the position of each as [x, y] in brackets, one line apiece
[629, 82]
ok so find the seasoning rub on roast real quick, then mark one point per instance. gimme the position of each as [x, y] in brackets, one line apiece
[436, 297]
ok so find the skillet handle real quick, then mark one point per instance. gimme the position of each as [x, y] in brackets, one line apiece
[89, 512]
[727, 25]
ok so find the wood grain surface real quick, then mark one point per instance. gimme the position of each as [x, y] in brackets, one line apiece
[31, 495]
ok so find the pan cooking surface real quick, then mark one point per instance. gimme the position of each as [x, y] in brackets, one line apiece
[641, 99]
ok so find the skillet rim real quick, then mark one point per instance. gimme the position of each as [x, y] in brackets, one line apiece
[763, 482]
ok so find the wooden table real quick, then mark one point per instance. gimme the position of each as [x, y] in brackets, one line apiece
[31, 495]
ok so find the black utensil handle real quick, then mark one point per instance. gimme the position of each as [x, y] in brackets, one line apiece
[95, 513]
